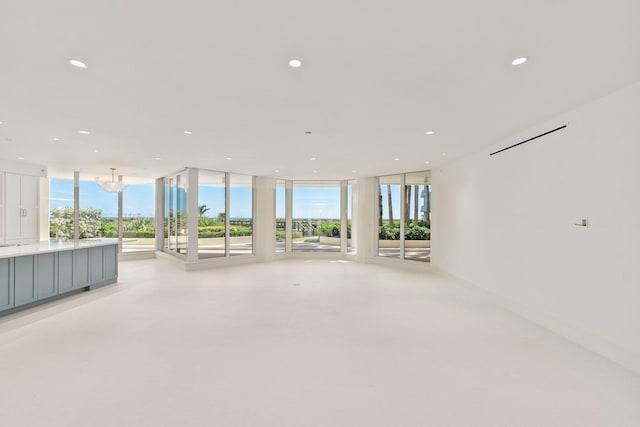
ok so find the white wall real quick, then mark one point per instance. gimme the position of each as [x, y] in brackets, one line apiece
[505, 223]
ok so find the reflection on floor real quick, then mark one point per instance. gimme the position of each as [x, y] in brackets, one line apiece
[297, 343]
[314, 247]
[414, 254]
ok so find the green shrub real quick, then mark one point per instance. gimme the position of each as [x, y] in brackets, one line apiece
[387, 233]
[416, 232]
[329, 230]
[138, 234]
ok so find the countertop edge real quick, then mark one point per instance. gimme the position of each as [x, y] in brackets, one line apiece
[49, 246]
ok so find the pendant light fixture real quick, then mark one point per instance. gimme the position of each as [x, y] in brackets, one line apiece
[113, 185]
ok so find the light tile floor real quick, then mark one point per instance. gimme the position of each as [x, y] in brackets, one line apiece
[297, 343]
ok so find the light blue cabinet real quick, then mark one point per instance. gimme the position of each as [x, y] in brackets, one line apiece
[65, 271]
[47, 285]
[6, 284]
[24, 274]
[104, 265]
[28, 279]
[80, 268]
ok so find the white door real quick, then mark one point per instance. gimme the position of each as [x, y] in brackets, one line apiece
[1, 207]
[30, 198]
[13, 190]
[29, 225]
[13, 223]
[13, 211]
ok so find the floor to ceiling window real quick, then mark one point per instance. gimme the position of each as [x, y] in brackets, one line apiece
[417, 216]
[138, 216]
[211, 214]
[175, 216]
[389, 216]
[281, 215]
[404, 216]
[240, 214]
[352, 214]
[61, 208]
[316, 216]
[98, 211]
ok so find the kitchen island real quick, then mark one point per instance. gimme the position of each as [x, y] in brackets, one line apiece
[37, 273]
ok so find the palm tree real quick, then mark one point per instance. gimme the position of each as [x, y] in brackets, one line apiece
[202, 209]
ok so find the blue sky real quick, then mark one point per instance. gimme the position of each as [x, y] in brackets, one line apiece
[137, 199]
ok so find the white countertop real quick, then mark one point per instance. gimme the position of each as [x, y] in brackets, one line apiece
[52, 246]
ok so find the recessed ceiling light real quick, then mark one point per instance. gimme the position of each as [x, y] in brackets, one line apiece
[295, 63]
[429, 132]
[229, 158]
[315, 171]
[313, 158]
[77, 63]
[396, 158]
[84, 132]
[56, 139]
[444, 154]
[276, 171]
[20, 158]
[427, 161]
[353, 171]
[96, 151]
[0, 123]
[187, 132]
[158, 158]
[519, 61]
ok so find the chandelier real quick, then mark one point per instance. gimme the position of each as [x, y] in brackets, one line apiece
[113, 185]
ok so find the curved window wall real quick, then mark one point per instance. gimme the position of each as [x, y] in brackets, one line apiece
[219, 213]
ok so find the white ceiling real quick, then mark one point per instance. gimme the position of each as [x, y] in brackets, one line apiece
[376, 76]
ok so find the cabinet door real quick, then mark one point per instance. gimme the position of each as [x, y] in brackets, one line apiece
[110, 267]
[80, 268]
[1, 207]
[12, 223]
[29, 224]
[65, 271]
[97, 264]
[25, 283]
[6, 284]
[29, 196]
[46, 276]
[12, 189]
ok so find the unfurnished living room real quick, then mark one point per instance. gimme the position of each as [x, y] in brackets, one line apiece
[339, 213]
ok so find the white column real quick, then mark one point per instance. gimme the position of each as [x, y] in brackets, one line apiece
[227, 220]
[120, 230]
[159, 221]
[367, 225]
[76, 206]
[192, 214]
[403, 180]
[264, 219]
[343, 216]
[44, 208]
